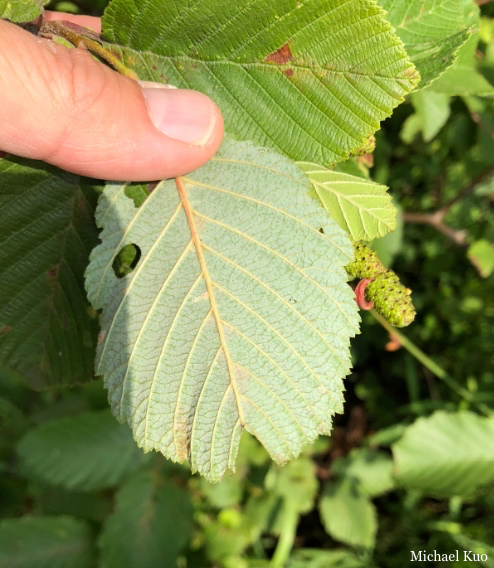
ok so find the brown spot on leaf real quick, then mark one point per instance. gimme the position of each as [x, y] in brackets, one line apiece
[280, 56]
[53, 275]
[4, 329]
[288, 72]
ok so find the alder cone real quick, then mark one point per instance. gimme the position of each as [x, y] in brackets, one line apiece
[391, 299]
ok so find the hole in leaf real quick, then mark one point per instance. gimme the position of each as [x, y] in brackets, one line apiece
[126, 260]
[139, 192]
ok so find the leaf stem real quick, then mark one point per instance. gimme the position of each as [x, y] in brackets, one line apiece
[287, 538]
[432, 366]
[85, 38]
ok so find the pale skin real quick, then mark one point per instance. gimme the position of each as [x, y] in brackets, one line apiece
[61, 106]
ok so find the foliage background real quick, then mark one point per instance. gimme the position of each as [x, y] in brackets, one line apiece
[339, 504]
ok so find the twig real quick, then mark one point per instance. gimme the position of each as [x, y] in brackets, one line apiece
[436, 220]
[482, 2]
[86, 39]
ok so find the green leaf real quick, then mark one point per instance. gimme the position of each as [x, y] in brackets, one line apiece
[236, 316]
[431, 114]
[432, 31]
[48, 231]
[313, 558]
[370, 469]
[21, 10]
[45, 542]
[347, 515]
[462, 78]
[310, 79]
[151, 524]
[446, 454]
[481, 255]
[226, 493]
[474, 547]
[360, 207]
[296, 484]
[227, 536]
[86, 452]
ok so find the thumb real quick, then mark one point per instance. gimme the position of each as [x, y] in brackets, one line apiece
[61, 106]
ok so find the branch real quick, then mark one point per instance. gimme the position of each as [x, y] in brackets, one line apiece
[436, 220]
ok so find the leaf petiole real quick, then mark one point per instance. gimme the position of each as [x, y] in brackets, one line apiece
[84, 38]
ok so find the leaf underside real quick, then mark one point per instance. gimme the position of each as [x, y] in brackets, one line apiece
[236, 316]
[310, 79]
[48, 231]
[361, 207]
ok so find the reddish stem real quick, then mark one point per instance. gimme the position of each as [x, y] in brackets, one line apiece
[362, 303]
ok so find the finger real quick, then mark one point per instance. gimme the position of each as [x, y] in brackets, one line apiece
[90, 22]
[62, 106]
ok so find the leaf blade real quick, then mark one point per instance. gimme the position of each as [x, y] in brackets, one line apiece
[339, 65]
[87, 452]
[433, 31]
[146, 509]
[48, 232]
[347, 515]
[283, 307]
[360, 207]
[446, 454]
[46, 542]
[21, 10]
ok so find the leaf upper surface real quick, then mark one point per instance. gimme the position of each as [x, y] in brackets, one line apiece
[361, 207]
[87, 452]
[236, 316]
[446, 454]
[46, 542]
[348, 515]
[432, 31]
[21, 10]
[151, 524]
[48, 230]
[312, 79]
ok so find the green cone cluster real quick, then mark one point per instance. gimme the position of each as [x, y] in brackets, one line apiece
[391, 299]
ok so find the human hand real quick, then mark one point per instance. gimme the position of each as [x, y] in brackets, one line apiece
[61, 106]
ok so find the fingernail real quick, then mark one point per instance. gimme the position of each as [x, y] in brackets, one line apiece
[181, 114]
